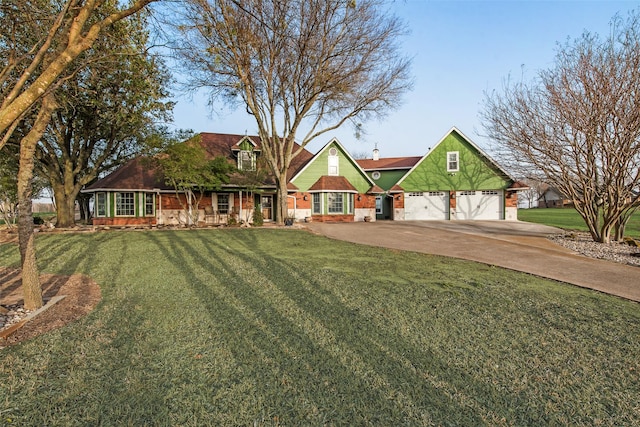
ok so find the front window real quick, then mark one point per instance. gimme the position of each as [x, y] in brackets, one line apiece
[247, 160]
[335, 203]
[125, 204]
[149, 204]
[317, 205]
[453, 163]
[223, 203]
[101, 204]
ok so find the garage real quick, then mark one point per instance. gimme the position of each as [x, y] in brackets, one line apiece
[486, 204]
[428, 205]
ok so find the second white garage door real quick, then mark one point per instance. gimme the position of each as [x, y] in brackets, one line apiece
[479, 204]
[426, 205]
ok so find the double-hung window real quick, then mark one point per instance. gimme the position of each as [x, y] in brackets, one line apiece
[317, 203]
[246, 160]
[453, 161]
[101, 204]
[125, 205]
[335, 203]
[334, 161]
[149, 204]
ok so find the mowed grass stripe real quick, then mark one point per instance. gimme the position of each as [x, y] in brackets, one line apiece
[280, 327]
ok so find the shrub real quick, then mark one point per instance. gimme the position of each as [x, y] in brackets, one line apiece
[258, 219]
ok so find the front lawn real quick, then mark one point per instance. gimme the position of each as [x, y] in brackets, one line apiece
[569, 219]
[243, 327]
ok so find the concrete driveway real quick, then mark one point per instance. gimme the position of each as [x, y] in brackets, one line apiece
[516, 245]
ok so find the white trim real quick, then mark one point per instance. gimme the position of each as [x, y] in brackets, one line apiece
[481, 151]
[333, 162]
[115, 204]
[347, 156]
[457, 161]
[106, 205]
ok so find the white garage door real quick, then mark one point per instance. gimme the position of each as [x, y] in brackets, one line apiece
[426, 205]
[479, 204]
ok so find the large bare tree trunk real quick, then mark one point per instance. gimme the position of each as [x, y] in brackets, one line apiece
[281, 204]
[31, 288]
[65, 205]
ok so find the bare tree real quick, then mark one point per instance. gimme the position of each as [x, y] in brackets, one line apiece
[578, 123]
[535, 189]
[39, 42]
[298, 64]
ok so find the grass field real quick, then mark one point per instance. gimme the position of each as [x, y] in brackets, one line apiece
[242, 327]
[569, 219]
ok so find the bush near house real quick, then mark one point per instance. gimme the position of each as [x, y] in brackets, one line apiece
[280, 327]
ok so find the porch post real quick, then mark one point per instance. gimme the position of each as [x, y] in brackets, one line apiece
[240, 209]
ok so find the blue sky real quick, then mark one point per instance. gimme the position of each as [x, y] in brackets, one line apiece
[460, 50]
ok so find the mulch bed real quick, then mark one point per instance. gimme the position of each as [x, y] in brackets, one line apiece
[82, 296]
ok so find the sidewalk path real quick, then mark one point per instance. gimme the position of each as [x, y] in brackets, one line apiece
[514, 245]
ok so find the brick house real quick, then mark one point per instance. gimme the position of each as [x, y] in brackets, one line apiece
[453, 180]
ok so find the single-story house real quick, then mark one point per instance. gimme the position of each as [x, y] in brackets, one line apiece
[453, 180]
[551, 197]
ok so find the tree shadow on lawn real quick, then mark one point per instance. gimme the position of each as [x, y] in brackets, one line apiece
[306, 349]
[99, 372]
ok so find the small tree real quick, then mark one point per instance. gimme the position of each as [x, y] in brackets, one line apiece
[295, 64]
[185, 167]
[579, 124]
[39, 42]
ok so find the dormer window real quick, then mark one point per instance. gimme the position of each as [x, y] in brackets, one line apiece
[246, 160]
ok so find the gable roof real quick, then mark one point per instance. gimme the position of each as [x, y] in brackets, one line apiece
[139, 174]
[333, 141]
[470, 142]
[386, 163]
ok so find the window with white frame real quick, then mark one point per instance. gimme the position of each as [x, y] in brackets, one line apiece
[453, 161]
[317, 203]
[101, 204]
[149, 204]
[350, 203]
[333, 162]
[246, 160]
[223, 203]
[125, 205]
[335, 203]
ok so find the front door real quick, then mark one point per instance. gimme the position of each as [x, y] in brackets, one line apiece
[267, 208]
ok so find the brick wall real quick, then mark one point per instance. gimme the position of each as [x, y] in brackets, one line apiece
[332, 218]
[124, 221]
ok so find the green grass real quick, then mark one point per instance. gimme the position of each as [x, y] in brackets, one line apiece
[569, 219]
[244, 327]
